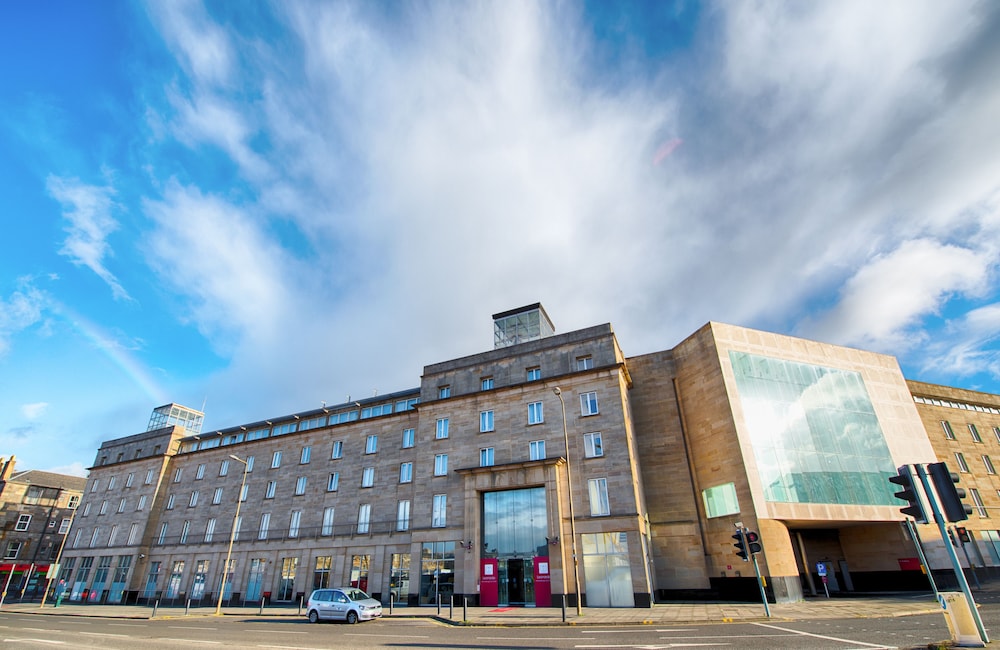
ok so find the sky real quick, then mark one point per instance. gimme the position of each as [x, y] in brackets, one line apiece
[254, 208]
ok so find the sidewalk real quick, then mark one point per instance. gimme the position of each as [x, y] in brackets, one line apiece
[661, 614]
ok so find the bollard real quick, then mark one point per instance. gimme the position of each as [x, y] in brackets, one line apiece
[392, 597]
[156, 603]
[439, 604]
[300, 605]
[451, 607]
[187, 606]
[564, 608]
[260, 612]
[465, 608]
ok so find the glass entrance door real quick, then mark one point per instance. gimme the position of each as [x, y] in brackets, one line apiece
[516, 588]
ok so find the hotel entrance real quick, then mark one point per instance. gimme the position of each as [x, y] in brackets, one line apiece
[515, 549]
[516, 587]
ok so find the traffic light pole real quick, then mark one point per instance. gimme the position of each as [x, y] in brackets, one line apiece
[923, 558]
[959, 574]
[760, 585]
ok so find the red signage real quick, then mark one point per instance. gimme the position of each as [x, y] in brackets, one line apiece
[543, 582]
[909, 564]
[489, 586]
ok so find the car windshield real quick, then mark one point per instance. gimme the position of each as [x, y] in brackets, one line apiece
[356, 594]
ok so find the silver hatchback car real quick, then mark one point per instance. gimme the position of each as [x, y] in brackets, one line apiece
[342, 604]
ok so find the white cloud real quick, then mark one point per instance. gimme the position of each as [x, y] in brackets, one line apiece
[73, 469]
[34, 411]
[87, 208]
[21, 310]
[968, 345]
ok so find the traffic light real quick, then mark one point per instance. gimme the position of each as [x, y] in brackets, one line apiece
[963, 534]
[908, 492]
[753, 542]
[949, 494]
[740, 545]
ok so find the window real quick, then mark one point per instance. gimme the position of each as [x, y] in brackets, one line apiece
[720, 500]
[978, 501]
[64, 526]
[996, 432]
[364, 517]
[304, 456]
[592, 445]
[113, 535]
[327, 528]
[405, 472]
[270, 490]
[224, 468]
[237, 527]
[584, 363]
[486, 383]
[439, 516]
[249, 460]
[338, 450]
[265, 523]
[536, 450]
[141, 503]
[441, 465]
[170, 502]
[444, 391]
[193, 501]
[185, 529]
[74, 501]
[93, 538]
[598, 488]
[114, 480]
[535, 414]
[12, 550]
[300, 486]
[104, 508]
[23, 521]
[368, 477]
[408, 438]
[149, 477]
[177, 474]
[486, 457]
[975, 433]
[133, 534]
[403, 515]
[217, 496]
[534, 374]
[121, 505]
[371, 444]
[276, 460]
[209, 530]
[86, 509]
[293, 523]
[93, 486]
[200, 472]
[163, 534]
[129, 479]
[948, 433]
[485, 421]
[332, 482]
[960, 459]
[243, 492]
[989, 465]
[442, 429]
[588, 404]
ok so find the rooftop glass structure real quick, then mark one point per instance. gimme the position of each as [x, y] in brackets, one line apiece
[528, 323]
[170, 415]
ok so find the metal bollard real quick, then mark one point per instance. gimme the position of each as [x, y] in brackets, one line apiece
[187, 606]
[451, 607]
[300, 605]
[392, 598]
[260, 612]
[439, 604]
[465, 608]
[564, 608]
[156, 603]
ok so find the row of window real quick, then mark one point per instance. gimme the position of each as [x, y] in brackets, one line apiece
[24, 521]
[949, 433]
[957, 405]
[597, 490]
[533, 373]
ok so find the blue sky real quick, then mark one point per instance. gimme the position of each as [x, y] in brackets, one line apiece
[259, 207]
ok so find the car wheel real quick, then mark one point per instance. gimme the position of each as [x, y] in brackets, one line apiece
[352, 617]
[313, 616]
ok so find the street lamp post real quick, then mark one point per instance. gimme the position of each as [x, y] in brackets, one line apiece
[572, 513]
[232, 534]
[62, 545]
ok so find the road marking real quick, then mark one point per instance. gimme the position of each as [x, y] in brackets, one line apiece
[544, 638]
[124, 636]
[288, 647]
[190, 641]
[125, 625]
[33, 641]
[657, 647]
[820, 636]
[255, 631]
[191, 627]
[389, 636]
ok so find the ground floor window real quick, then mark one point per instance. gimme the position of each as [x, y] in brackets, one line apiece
[255, 579]
[321, 574]
[359, 571]
[286, 584]
[437, 572]
[227, 587]
[607, 572]
[120, 579]
[200, 574]
[399, 579]
[174, 583]
[100, 578]
[151, 579]
[81, 578]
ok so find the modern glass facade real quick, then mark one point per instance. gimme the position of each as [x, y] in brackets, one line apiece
[515, 524]
[814, 432]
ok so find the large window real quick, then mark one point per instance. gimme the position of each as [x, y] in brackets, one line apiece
[592, 445]
[588, 404]
[265, 524]
[535, 413]
[441, 430]
[405, 472]
[598, 489]
[486, 457]
[536, 450]
[720, 500]
[485, 421]
[368, 477]
[814, 433]
[23, 521]
[439, 516]
[441, 465]
[408, 438]
[513, 521]
[364, 517]
[403, 515]
[371, 444]
[327, 529]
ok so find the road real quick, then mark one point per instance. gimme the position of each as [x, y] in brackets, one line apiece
[33, 631]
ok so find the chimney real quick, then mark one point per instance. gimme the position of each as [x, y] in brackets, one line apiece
[8, 469]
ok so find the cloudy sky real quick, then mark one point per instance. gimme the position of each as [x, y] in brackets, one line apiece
[258, 207]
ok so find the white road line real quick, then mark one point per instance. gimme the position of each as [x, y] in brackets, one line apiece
[33, 641]
[255, 631]
[190, 641]
[656, 647]
[124, 636]
[288, 647]
[125, 625]
[543, 638]
[389, 636]
[828, 638]
[191, 627]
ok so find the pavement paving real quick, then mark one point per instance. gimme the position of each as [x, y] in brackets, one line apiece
[880, 606]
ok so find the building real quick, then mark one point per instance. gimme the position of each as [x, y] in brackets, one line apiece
[487, 480]
[36, 509]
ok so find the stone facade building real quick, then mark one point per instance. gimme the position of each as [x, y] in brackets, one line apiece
[488, 480]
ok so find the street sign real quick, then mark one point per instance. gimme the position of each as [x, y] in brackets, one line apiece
[821, 569]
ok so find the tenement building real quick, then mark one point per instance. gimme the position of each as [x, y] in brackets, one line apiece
[549, 468]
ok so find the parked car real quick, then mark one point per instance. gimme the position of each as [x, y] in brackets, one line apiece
[342, 604]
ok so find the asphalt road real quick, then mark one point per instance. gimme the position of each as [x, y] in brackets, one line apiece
[32, 632]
